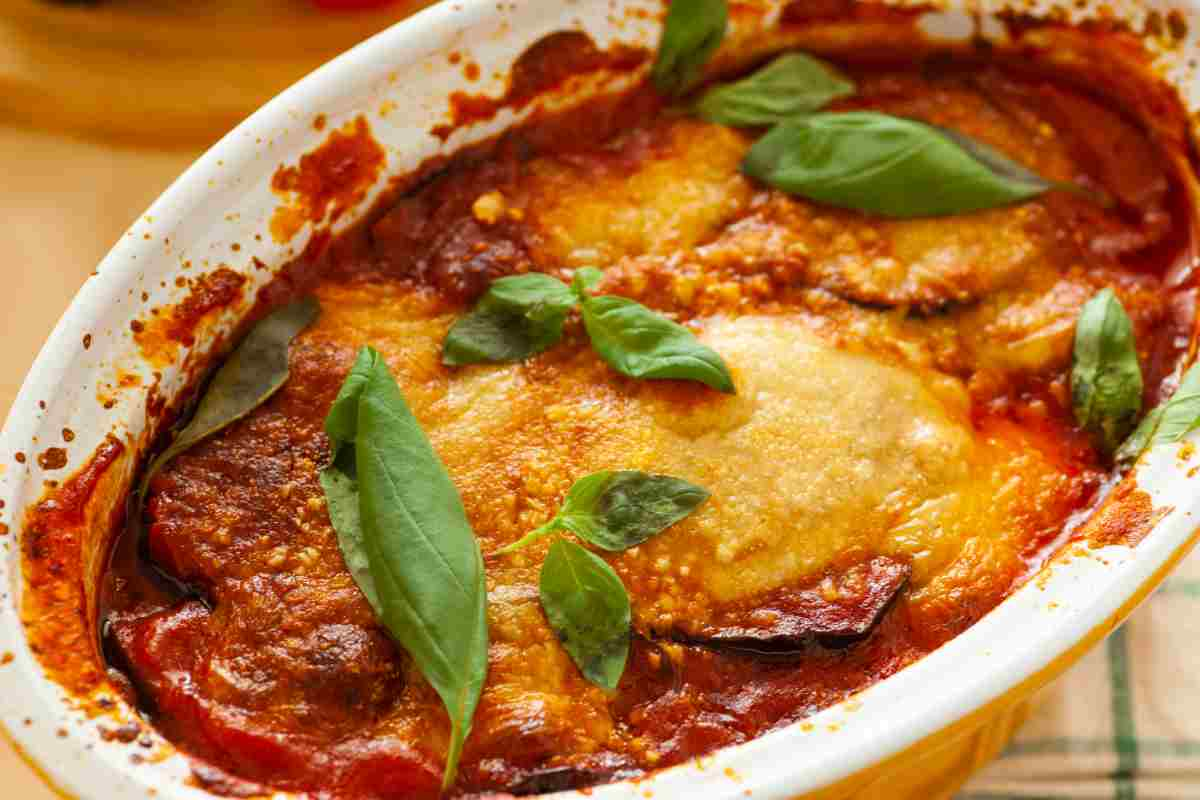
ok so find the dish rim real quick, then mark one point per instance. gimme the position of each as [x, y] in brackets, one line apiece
[1076, 602]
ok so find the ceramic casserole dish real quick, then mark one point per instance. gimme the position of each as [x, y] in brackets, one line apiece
[95, 399]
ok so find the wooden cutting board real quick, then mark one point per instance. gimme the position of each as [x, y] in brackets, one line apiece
[168, 71]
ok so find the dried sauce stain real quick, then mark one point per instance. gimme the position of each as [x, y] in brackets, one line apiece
[6, 659]
[1125, 517]
[54, 607]
[52, 458]
[126, 734]
[160, 336]
[329, 181]
[545, 65]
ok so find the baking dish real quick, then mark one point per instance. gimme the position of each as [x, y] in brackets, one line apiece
[915, 733]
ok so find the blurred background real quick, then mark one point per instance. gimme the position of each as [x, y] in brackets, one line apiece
[104, 103]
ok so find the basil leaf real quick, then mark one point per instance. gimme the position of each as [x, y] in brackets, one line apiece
[691, 34]
[254, 371]
[1004, 166]
[996, 161]
[1106, 380]
[588, 609]
[1142, 436]
[618, 510]
[1169, 421]
[637, 342]
[880, 164]
[519, 316]
[423, 559]
[341, 423]
[339, 480]
[792, 84]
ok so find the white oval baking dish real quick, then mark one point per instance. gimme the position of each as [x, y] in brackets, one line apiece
[401, 80]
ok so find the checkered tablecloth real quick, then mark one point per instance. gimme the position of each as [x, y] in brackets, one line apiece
[1124, 722]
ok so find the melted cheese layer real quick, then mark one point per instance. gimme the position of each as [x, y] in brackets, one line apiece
[826, 455]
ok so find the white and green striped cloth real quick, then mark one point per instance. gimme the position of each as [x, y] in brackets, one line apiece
[1123, 723]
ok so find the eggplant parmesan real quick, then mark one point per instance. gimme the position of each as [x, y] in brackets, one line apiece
[902, 447]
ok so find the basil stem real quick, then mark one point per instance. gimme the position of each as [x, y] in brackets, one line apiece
[1169, 421]
[640, 343]
[254, 371]
[519, 316]
[412, 536]
[691, 34]
[588, 609]
[616, 510]
[885, 165]
[1106, 380]
[792, 84]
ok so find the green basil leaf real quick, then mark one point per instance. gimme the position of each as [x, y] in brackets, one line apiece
[1181, 414]
[619, 510]
[880, 164]
[792, 84]
[998, 162]
[1142, 436]
[616, 510]
[1004, 166]
[691, 34]
[254, 371]
[636, 341]
[341, 423]
[413, 535]
[339, 480]
[1169, 421]
[519, 316]
[588, 609]
[1106, 380]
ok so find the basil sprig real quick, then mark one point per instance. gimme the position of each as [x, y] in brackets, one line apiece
[886, 165]
[616, 510]
[519, 316]
[1169, 421]
[1106, 380]
[790, 85]
[584, 600]
[691, 34]
[404, 533]
[252, 373]
[523, 315]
